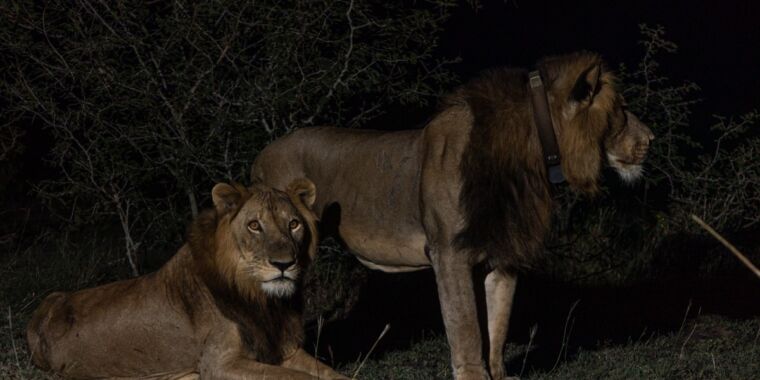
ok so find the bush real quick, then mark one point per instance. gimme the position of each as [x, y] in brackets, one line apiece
[615, 238]
[149, 104]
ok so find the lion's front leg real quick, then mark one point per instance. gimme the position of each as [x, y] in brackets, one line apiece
[223, 358]
[500, 291]
[453, 274]
[300, 360]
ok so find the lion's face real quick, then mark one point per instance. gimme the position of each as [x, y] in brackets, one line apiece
[594, 123]
[270, 234]
[627, 144]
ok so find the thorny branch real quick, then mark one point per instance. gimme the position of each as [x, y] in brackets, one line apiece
[150, 104]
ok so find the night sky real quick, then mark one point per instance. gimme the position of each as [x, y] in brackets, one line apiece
[719, 41]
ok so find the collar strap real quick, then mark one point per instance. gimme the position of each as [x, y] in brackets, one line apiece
[543, 121]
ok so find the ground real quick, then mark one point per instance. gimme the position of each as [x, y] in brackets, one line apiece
[659, 330]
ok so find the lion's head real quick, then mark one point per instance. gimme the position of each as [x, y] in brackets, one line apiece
[263, 238]
[505, 189]
[591, 121]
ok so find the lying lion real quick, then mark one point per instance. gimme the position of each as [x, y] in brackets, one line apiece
[225, 306]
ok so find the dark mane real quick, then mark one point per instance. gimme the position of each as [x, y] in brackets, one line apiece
[505, 196]
[263, 323]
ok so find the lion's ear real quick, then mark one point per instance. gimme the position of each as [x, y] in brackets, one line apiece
[303, 193]
[305, 190]
[226, 197]
[587, 85]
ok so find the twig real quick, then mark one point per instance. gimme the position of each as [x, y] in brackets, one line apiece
[683, 346]
[728, 245]
[757, 335]
[320, 323]
[685, 315]
[385, 330]
[715, 367]
[565, 338]
[527, 350]
[13, 341]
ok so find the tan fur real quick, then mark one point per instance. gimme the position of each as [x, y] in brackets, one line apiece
[470, 187]
[220, 308]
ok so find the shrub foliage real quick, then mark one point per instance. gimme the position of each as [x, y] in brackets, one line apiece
[148, 103]
[711, 172]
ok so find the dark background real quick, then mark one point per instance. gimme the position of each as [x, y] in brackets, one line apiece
[718, 49]
[718, 41]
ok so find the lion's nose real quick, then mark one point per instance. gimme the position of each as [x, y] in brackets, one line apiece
[282, 265]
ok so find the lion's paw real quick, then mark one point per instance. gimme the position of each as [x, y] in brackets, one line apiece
[471, 373]
[502, 376]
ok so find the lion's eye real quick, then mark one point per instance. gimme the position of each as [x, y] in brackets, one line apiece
[254, 226]
[294, 224]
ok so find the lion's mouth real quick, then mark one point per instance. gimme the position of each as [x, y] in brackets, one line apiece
[281, 286]
[281, 278]
[269, 275]
[629, 172]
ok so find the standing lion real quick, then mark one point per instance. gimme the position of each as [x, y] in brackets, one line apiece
[224, 307]
[470, 187]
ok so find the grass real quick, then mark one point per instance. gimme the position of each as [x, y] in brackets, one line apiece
[712, 348]
[718, 348]
[28, 274]
[558, 332]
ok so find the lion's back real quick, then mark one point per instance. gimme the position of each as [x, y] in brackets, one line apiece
[278, 162]
[326, 152]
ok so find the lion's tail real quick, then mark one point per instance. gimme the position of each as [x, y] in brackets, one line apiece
[37, 326]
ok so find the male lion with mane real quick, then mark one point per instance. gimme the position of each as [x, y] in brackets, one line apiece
[470, 187]
[225, 306]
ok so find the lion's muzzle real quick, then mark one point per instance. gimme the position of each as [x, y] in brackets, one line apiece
[628, 150]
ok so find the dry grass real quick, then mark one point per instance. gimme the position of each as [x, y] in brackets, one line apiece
[716, 348]
[697, 346]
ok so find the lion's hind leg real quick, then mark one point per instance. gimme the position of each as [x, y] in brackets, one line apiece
[37, 330]
[188, 374]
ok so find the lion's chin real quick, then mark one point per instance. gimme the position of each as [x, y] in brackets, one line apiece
[629, 173]
[279, 288]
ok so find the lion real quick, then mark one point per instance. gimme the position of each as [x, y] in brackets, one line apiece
[225, 306]
[470, 187]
